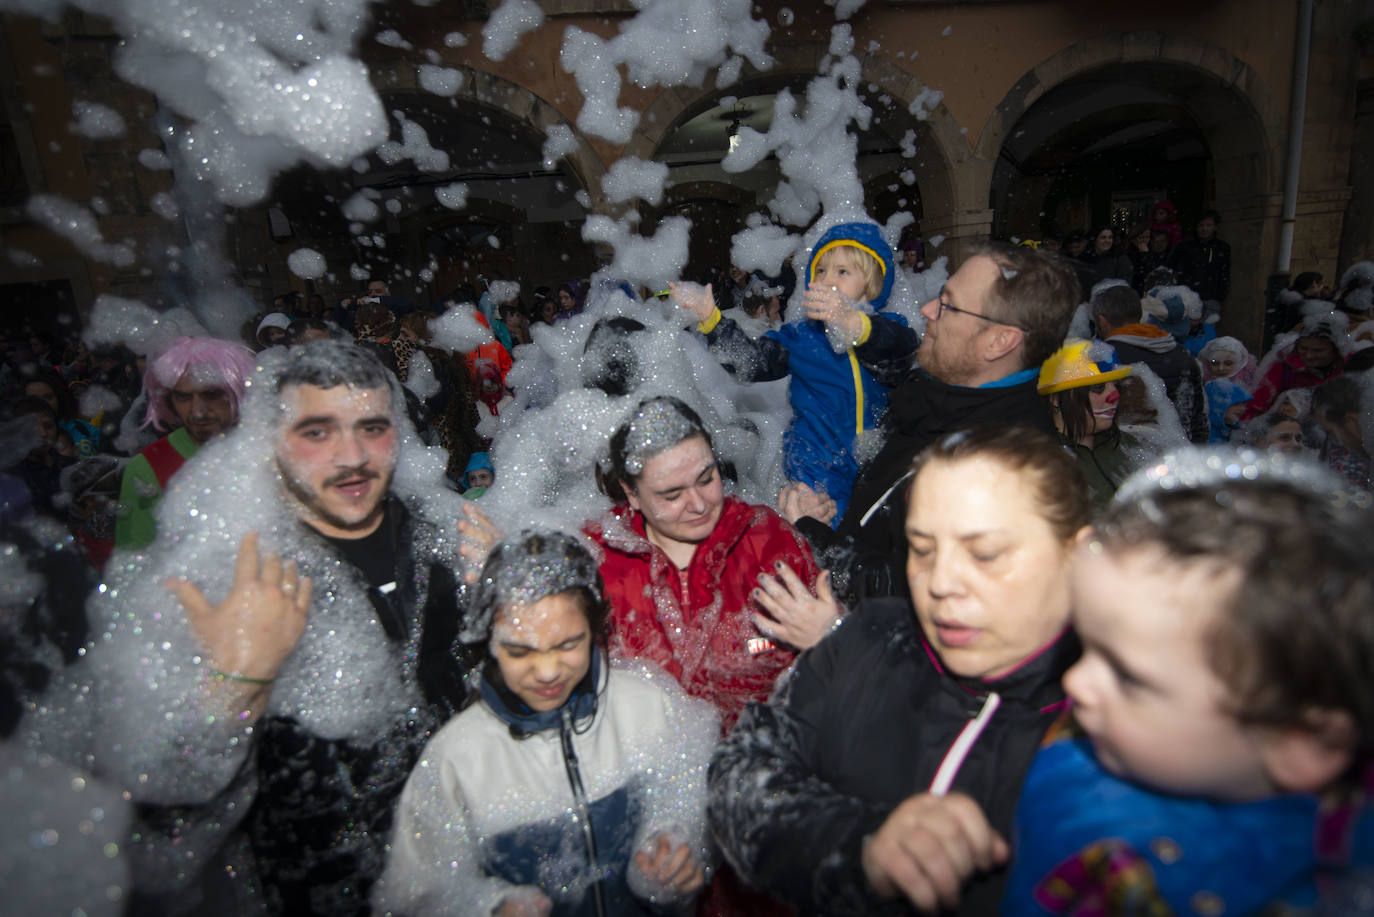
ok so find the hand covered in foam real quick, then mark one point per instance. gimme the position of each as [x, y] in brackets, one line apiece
[257, 626]
[843, 317]
[667, 869]
[699, 300]
[477, 535]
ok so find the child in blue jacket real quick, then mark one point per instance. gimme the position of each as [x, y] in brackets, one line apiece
[834, 397]
[1224, 609]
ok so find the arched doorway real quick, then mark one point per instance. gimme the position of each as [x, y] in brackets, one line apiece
[1093, 133]
[488, 207]
[1101, 148]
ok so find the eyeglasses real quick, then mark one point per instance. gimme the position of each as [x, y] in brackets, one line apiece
[943, 306]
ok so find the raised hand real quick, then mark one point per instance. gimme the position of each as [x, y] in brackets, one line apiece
[477, 535]
[826, 304]
[929, 847]
[694, 298]
[795, 616]
[251, 633]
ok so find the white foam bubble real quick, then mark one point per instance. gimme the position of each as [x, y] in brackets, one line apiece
[96, 121]
[306, 263]
[507, 23]
[80, 227]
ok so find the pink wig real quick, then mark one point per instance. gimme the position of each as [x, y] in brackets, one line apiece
[209, 361]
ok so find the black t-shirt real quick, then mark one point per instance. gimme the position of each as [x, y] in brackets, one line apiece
[374, 556]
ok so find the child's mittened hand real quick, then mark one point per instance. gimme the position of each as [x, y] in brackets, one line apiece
[696, 299]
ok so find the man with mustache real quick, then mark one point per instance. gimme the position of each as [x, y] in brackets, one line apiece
[272, 666]
[193, 389]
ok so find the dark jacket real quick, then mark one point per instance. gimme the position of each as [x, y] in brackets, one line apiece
[1105, 465]
[323, 810]
[862, 724]
[866, 553]
[1142, 263]
[1176, 368]
[1204, 266]
[1094, 267]
[320, 808]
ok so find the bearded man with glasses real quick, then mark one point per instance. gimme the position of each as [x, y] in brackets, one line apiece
[1001, 315]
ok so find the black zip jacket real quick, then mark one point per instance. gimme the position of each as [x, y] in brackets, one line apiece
[866, 554]
[323, 809]
[862, 724]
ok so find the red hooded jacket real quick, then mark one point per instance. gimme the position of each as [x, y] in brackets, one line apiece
[1289, 372]
[694, 623]
[1172, 226]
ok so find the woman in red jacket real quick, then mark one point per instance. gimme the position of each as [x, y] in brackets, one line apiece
[689, 571]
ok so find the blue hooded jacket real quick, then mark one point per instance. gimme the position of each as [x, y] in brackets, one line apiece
[1222, 395]
[1084, 838]
[834, 398]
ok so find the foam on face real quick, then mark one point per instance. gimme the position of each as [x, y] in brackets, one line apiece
[652, 429]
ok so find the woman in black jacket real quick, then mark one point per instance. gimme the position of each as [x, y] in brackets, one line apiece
[1103, 260]
[884, 773]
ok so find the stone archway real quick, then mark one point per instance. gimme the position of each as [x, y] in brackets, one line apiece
[941, 147]
[513, 100]
[1234, 113]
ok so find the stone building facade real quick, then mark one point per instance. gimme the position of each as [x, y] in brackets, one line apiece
[1030, 90]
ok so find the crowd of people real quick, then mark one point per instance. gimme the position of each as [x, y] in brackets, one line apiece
[1061, 609]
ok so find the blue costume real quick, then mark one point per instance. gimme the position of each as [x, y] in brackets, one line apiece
[1091, 844]
[1222, 395]
[834, 398]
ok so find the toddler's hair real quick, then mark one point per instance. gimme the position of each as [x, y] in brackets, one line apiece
[858, 259]
[1297, 634]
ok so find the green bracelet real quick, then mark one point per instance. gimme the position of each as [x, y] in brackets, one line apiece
[246, 679]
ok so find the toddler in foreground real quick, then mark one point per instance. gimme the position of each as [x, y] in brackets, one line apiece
[1226, 609]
